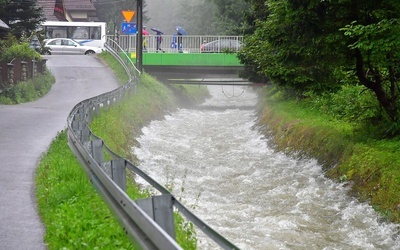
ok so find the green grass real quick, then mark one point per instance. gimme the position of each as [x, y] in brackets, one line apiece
[28, 91]
[74, 215]
[115, 66]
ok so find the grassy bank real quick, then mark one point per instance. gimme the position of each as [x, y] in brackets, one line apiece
[28, 91]
[74, 215]
[370, 166]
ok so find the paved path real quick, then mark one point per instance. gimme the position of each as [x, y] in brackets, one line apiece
[26, 131]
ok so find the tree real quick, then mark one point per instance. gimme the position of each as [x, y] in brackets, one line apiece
[230, 16]
[376, 50]
[297, 51]
[307, 45]
[23, 16]
[198, 17]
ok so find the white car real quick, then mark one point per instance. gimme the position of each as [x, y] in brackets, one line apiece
[223, 45]
[66, 46]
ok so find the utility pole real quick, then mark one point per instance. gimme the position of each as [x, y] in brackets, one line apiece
[139, 44]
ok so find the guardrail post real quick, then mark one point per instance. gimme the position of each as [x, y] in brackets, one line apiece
[118, 172]
[160, 208]
[97, 150]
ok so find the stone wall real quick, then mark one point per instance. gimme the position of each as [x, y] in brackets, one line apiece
[20, 71]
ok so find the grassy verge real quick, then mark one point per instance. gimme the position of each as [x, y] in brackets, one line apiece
[371, 166]
[28, 91]
[74, 215]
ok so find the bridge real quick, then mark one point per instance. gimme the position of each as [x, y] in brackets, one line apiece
[189, 59]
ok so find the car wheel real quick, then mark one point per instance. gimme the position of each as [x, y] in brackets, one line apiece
[90, 52]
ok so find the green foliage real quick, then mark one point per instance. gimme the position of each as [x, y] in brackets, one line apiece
[378, 48]
[21, 51]
[230, 16]
[352, 103]
[74, 215]
[115, 66]
[22, 16]
[28, 91]
[257, 11]
[7, 41]
[294, 52]
[307, 46]
[185, 233]
[375, 40]
[198, 16]
[373, 167]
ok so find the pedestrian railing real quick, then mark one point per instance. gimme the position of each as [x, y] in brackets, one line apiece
[148, 223]
[181, 44]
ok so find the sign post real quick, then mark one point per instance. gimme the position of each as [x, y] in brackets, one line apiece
[139, 44]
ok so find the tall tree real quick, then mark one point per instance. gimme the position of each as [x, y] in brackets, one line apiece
[230, 16]
[23, 16]
[305, 44]
[375, 47]
[198, 17]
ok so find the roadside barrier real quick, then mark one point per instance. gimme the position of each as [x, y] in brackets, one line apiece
[147, 222]
[18, 70]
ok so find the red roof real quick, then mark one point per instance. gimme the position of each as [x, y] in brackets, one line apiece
[79, 5]
[48, 9]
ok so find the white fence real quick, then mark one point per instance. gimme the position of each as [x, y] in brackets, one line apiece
[182, 44]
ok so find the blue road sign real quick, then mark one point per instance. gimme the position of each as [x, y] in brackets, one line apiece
[128, 28]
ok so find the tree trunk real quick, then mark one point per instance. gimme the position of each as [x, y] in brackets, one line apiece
[386, 99]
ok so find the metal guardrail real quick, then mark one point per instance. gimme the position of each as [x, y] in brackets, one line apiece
[146, 222]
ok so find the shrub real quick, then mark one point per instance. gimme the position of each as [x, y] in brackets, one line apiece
[27, 91]
[352, 103]
[21, 51]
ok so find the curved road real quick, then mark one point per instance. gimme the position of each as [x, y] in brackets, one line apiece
[26, 131]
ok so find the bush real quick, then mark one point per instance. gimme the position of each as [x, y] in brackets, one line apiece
[27, 91]
[352, 103]
[22, 51]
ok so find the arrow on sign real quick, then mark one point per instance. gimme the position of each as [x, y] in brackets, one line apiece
[128, 14]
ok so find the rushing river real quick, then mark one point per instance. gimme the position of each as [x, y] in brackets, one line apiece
[219, 165]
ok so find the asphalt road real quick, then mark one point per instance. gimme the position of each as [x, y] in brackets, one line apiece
[26, 131]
